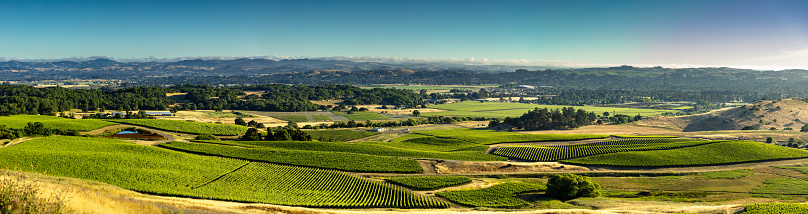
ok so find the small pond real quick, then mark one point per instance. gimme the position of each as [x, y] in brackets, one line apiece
[127, 132]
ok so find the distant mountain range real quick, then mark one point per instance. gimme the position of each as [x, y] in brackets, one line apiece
[284, 65]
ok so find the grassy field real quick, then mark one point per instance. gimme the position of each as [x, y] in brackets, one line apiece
[464, 151]
[486, 136]
[731, 174]
[500, 195]
[187, 127]
[20, 121]
[429, 182]
[164, 172]
[320, 159]
[502, 110]
[564, 152]
[715, 153]
[340, 135]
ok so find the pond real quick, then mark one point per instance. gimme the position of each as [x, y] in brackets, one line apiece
[127, 132]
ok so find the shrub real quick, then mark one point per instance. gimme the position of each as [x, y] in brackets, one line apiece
[750, 128]
[570, 186]
[206, 137]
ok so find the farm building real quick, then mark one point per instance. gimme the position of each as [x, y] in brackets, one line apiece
[158, 113]
[377, 129]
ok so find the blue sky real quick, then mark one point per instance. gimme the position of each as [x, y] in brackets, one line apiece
[707, 32]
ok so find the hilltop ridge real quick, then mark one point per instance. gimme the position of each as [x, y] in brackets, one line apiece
[780, 114]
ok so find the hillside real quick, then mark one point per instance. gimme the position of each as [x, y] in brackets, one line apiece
[780, 114]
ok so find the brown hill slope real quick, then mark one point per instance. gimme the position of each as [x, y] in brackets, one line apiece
[780, 114]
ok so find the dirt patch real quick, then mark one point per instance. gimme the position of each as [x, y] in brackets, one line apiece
[472, 167]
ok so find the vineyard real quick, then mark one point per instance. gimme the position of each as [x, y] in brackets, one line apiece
[468, 152]
[320, 159]
[340, 135]
[429, 182]
[187, 126]
[164, 172]
[563, 152]
[116, 162]
[485, 136]
[776, 208]
[300, 186]
[500, 195]
[52, 122]
[714, 153]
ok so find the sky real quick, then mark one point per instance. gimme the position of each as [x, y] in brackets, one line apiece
[735, 33]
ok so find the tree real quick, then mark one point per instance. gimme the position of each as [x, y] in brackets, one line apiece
[251, 135]
[283, 135]
[416, 113]
[252, 123]
[605, 113]
[241, 122]
[570, 186]
[769, 140]
[804, 128]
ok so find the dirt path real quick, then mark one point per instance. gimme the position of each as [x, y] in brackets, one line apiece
[18, 141]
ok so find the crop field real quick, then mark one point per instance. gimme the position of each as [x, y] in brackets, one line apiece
[486, 136]
[300, 186]
[714, 153]
[449, 151]
[164, 172]
[500, 195]
[502, 110]
[362, 116]
[20, 121]
[645, 136]
[294, 118]
[429, 182]
[187, 127]
[776, 208]
[116, 162]
[340, 135]
[563, 152]
[320, 159]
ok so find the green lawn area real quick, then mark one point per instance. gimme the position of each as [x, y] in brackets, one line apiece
[501, 110]
[53, 122]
